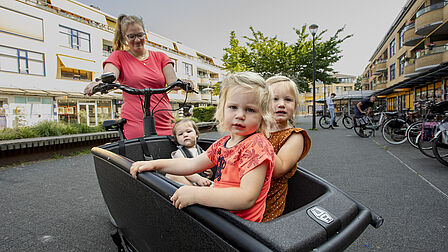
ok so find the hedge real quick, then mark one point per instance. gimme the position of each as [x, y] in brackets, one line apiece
[204, 114]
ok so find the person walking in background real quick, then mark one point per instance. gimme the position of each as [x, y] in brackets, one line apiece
[330, 105]
[137, 67]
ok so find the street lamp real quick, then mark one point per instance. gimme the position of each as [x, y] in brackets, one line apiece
[313, 30]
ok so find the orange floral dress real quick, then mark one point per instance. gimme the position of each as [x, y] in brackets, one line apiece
[275, 201]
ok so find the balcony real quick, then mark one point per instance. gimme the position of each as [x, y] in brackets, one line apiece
[409, 69]
[429, 58]
[380, 85]
[204, 80]
[428, 18]
[410, 38]
[379, 67]
[365, 81]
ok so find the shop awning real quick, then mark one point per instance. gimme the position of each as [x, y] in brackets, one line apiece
[78, 63]
[16, 91]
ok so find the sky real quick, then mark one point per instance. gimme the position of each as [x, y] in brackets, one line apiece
[205, 25]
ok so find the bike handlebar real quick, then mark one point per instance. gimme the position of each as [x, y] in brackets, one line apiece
[106, 87]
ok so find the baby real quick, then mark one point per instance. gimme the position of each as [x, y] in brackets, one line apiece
[186, 134]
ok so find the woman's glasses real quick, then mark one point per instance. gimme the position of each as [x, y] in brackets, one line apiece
[139, 35]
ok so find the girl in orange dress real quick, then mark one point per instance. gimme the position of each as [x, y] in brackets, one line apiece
[290, 144]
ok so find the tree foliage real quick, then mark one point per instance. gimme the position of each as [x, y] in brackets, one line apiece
[270, 56]
[358, 85]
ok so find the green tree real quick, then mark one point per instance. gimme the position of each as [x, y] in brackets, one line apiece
[358, 85]
[270, 56]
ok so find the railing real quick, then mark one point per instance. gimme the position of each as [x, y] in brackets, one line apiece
[408, 27]
[432, 50]
[379, 62]
[431, 8]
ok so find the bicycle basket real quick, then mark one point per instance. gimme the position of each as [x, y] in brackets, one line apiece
[439, 107]
[396, 124]
[429, 128]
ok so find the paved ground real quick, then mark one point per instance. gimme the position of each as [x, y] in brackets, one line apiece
[56, 205]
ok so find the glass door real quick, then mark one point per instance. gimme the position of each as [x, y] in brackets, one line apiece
[87, 114]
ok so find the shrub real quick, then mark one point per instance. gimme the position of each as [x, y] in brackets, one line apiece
[204, 114]
[48, 128]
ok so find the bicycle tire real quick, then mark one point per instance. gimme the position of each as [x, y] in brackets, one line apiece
[324, 122]
[440, 150]
[347, 121]
[425, 147]
[362, 131]
[394, 131]
[412, 132]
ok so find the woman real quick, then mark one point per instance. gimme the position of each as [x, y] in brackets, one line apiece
[137, 67]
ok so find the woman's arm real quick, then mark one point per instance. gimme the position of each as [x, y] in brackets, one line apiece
[177, 166]
[170, 75]
[248, 192]
[109, 67]
[288, 155]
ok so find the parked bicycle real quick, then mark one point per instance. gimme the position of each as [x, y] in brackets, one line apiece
[347, 121]
[440, 142]
[393, 128]
[430, 126]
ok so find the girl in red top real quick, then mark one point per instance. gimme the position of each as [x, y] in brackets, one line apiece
[244, 158]
[137, 67]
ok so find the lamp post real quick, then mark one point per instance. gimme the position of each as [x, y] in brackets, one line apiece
[313, 30]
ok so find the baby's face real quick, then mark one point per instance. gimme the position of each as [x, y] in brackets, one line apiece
[186, 135]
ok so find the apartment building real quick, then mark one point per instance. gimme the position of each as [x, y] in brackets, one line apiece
[51, 49]
[343, 88]
[411, 62]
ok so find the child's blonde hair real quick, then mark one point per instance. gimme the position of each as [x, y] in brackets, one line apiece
[184, 121]
[287, 83]
[253, 82]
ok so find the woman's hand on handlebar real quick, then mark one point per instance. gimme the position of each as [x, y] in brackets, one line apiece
[88, 90]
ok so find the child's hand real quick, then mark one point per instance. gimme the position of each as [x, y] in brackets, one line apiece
[204, 181]
[208, 173]
[184, 196]
[141, 166]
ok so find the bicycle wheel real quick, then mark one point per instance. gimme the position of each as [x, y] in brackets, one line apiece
[324, 122]
[425, 146]
[348, 122]
[412, 132]
[362, 131]
[394, 131]
[440, 148]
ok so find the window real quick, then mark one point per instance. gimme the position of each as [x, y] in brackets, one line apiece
[401, 66]
[392, 48]
[175, 64]
[401, 38]
[107, 48]
[21, 61]
[75, 74]
[392, 71]
[75, 39]
[188, 68]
